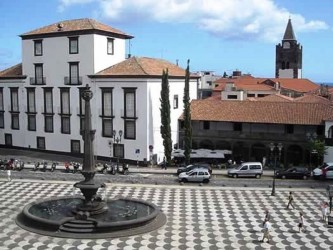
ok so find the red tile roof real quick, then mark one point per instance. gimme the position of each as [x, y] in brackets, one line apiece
[142, 67]
[273, 98]
[12, 72]
[252, 83]
[260, 112]
[68, 26]
[313, 99]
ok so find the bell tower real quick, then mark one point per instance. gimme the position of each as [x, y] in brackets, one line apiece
[288, 62]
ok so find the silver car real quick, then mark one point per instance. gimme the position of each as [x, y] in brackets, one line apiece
[247, 169]
[195, 175]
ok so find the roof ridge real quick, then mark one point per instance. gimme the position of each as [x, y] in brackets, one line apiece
[138, 62]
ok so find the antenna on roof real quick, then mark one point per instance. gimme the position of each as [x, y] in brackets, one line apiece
[129, 49]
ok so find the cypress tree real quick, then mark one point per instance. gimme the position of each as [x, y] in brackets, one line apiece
[165, 117]
[187, 116]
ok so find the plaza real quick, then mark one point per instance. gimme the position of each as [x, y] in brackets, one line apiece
[198, 217]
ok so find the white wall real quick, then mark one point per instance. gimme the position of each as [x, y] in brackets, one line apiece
[101, 58]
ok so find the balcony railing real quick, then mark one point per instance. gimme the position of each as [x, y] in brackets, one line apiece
[73, 80]
[37, 80]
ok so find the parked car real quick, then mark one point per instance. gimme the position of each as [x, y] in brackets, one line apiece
[195, 175]
[294, 172]
[193, 166]
[246, 169]
[325, 171]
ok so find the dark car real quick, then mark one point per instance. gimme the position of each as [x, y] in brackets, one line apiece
[294, 172]
[193, 166]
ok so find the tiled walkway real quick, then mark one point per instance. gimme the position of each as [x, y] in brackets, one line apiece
[197, 218]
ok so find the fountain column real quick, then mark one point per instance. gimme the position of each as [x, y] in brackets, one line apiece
[89, 186]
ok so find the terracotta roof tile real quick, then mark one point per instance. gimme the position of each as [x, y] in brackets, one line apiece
[14, 71]
[84, 24]
[260, 112]
[273, 98]
[300, 85]
[142, 67]
[313, 99]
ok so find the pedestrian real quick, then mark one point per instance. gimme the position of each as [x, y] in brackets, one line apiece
[290, 200]
[267, 228]
[301, 223]
[267, 217]
[9, 175]
[324, 210]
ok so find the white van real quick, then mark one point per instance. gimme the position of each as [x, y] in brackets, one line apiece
[247, 169]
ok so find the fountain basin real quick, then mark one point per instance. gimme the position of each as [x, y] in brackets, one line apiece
[58, 217]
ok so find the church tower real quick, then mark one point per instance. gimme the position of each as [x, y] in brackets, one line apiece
[288, 62]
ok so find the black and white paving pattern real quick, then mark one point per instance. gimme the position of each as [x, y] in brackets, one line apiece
[201, 217]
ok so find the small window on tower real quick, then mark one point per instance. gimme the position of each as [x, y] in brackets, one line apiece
[286, 45]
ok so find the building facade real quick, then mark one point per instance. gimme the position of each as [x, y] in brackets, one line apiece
[40, 104]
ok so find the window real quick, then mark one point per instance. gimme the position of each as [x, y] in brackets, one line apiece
[75, 146]
[130, 113]
[65, 111]
[64, 101]
[175, 101]
[82, 109]
[14, 108]
[74, 73]
[2, 110]
[73, 45]
[130, 129]
[206, 125]
[48, 110]
[110, 44]
[31, 109]
[38, 47]
[232, 97]
[129, 103]
[38, 74]
[237, 126]
[32, 122]
[8, 140]
[289, 129]
[40, 142]
[107, 113]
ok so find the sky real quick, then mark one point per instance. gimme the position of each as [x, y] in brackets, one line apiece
[216, 35]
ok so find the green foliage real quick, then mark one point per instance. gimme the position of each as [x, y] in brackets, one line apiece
[187, 116]
[165, 117]
[225, 75]
[318, 146]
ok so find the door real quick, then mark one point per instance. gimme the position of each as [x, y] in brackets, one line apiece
[244, 171]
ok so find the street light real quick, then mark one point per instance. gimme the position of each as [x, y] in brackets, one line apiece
[276, 150]
[117, 140]
[311, 137]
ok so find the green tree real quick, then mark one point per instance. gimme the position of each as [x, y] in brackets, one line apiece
[318, 148]
[225, 75]
[165, 117]
[187, 116]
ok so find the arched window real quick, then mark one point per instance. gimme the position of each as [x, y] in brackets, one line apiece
[287, 65]
[283, 65]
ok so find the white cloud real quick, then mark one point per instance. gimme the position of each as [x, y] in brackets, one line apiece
[231, 19]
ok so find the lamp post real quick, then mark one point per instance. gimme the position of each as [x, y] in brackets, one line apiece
[276, 151]
[311, 137]
[117, 140]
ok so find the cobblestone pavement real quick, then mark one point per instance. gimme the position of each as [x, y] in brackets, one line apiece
[201, 217]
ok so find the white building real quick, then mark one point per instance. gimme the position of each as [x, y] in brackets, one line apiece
[40, 105]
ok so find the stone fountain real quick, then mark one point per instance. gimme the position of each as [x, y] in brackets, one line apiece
[90, 216]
